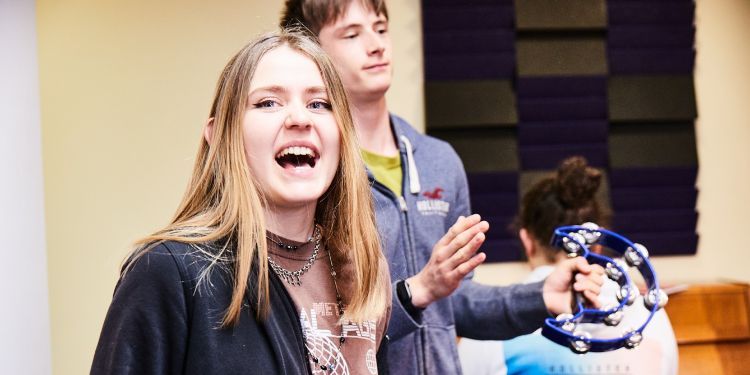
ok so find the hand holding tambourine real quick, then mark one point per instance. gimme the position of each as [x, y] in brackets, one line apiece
[568, 329]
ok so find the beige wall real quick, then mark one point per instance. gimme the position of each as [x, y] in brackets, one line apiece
[125, 88]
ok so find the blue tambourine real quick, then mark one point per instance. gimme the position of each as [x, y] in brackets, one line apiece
[566, 329]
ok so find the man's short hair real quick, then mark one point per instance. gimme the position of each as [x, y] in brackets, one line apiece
[314, 14]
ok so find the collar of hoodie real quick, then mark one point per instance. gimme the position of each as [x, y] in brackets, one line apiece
[405, 146]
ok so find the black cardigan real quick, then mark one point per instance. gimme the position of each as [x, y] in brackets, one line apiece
[160, 323]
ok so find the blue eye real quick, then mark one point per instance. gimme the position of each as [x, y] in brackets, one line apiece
[266, 103]
[320, 104]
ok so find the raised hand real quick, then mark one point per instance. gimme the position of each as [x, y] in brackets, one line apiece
[453, 257]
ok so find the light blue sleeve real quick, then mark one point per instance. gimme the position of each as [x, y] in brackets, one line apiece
[482, 357]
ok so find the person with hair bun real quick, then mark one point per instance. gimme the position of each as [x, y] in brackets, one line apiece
[569, 197]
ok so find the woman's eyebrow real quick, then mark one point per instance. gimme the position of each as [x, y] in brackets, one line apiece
[316, 90]
[272, 89]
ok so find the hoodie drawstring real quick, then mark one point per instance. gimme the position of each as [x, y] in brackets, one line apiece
[414, 186]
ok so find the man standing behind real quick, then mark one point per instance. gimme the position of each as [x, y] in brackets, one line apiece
[422, 207]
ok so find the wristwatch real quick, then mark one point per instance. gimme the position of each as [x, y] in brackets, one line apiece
[403, 292]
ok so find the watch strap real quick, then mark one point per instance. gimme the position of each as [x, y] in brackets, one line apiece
[403, 292]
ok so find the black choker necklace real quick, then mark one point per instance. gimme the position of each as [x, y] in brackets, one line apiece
[294, 277]
[282, 245]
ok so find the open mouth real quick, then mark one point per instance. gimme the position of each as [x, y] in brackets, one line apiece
[297, 157]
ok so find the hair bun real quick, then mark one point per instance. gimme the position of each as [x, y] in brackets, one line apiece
[576, 183]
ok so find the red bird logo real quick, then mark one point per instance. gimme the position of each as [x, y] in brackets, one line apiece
[435, 194]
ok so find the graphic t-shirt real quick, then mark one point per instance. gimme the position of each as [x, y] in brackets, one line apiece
[315, 299]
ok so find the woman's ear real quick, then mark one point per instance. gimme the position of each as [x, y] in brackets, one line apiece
[208, 130]
[529, 246]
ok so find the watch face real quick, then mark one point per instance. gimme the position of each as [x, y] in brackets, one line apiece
[403, 292]
[408, 289]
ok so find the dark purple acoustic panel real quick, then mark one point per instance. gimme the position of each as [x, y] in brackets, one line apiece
[560, 117]
[504, 250]
[657, 203]
[494, 196]
[651, 61]
[495, 204]
[653, 177]
[494, 193]
[667, 243]
[651, 37]
[501, 227]
[622, 116]
[552, 109]
[461, 42]
[654, 36]
[653, 197]
[626, 12]
[656, 221]
[461, 17]
[563, 132]
[468, 41]
[491, 182]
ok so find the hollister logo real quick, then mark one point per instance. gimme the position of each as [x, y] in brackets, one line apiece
[434, 204]
[435, 194]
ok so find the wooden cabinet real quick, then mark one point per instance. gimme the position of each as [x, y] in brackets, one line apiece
[712, 325]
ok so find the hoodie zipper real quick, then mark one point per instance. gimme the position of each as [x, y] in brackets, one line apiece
[402, 203]
[409, 256]
[413, 187]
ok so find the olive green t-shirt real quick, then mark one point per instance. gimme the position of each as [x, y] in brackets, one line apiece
[386, 169]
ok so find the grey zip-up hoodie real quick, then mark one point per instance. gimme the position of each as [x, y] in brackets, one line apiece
[435, 195]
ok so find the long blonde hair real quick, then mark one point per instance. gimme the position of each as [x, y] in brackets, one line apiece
[224, 202]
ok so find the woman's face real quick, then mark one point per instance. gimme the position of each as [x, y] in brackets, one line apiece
[291, 137]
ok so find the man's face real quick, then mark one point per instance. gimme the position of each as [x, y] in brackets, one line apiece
[360, 47]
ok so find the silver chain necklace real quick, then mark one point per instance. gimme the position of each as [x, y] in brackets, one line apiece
[293, 277]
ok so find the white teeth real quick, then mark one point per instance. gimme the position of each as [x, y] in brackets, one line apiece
[296, 150]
